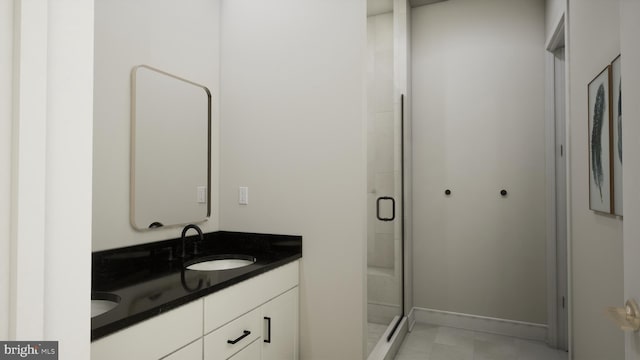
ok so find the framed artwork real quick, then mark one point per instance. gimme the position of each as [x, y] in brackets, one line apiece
[616, 129]
[599, 101]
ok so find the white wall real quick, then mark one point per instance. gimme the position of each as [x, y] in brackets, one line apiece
[554, 9]
[596, 251]
[182, 39]
[293, 132]
[478, 127]
[6, 82]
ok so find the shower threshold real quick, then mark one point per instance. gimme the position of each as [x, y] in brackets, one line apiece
[390, 342]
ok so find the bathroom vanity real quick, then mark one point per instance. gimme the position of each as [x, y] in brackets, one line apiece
[165, 311]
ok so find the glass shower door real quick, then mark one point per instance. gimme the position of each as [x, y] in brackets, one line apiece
[384, 185]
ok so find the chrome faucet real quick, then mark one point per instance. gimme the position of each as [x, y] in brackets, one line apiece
[195, 245]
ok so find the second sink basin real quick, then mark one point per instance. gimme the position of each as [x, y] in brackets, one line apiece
[221, 262]
[102, 303]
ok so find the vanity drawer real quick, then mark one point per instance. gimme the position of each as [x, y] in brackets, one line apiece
[241, 331]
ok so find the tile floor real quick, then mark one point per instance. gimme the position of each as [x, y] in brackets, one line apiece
[428, 342]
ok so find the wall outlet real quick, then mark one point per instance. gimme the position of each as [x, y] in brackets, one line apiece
[243, 197]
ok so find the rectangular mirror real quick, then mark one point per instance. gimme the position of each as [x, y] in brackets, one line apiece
[170, 149]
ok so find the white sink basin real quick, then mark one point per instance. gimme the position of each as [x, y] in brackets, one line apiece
[99, 307]
[221, 264]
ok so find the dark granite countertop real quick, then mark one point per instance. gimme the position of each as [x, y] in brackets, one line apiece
[148, 282]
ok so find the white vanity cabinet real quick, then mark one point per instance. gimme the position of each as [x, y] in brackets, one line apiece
[273, 326]
[251, 352]
[280, 335]
[241, 308]
[233, 337]
[192, 351]
[154, 338]
[252, 320]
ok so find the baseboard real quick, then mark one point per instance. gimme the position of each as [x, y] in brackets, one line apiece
[520, 329]
[411, 318]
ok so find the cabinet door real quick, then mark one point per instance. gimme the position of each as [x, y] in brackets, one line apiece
[192, 351]
[280, 336]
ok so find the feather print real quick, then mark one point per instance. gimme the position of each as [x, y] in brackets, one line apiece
[596, 139]
[620, 122]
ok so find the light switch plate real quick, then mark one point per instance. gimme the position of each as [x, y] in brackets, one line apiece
[243, 198]
[202, 194]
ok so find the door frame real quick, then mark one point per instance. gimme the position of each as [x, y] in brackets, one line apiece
[555, 262]
[630, 49]
[51, 173]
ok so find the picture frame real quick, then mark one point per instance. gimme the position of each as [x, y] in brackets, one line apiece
[599, 142]
[616, 136]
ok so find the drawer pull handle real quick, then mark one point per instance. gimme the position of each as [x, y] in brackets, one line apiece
[268, 329]
[245, 333]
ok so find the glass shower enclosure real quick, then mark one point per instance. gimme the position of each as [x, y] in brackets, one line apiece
[384, 177]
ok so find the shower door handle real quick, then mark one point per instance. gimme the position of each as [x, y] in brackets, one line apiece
[393, 208]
